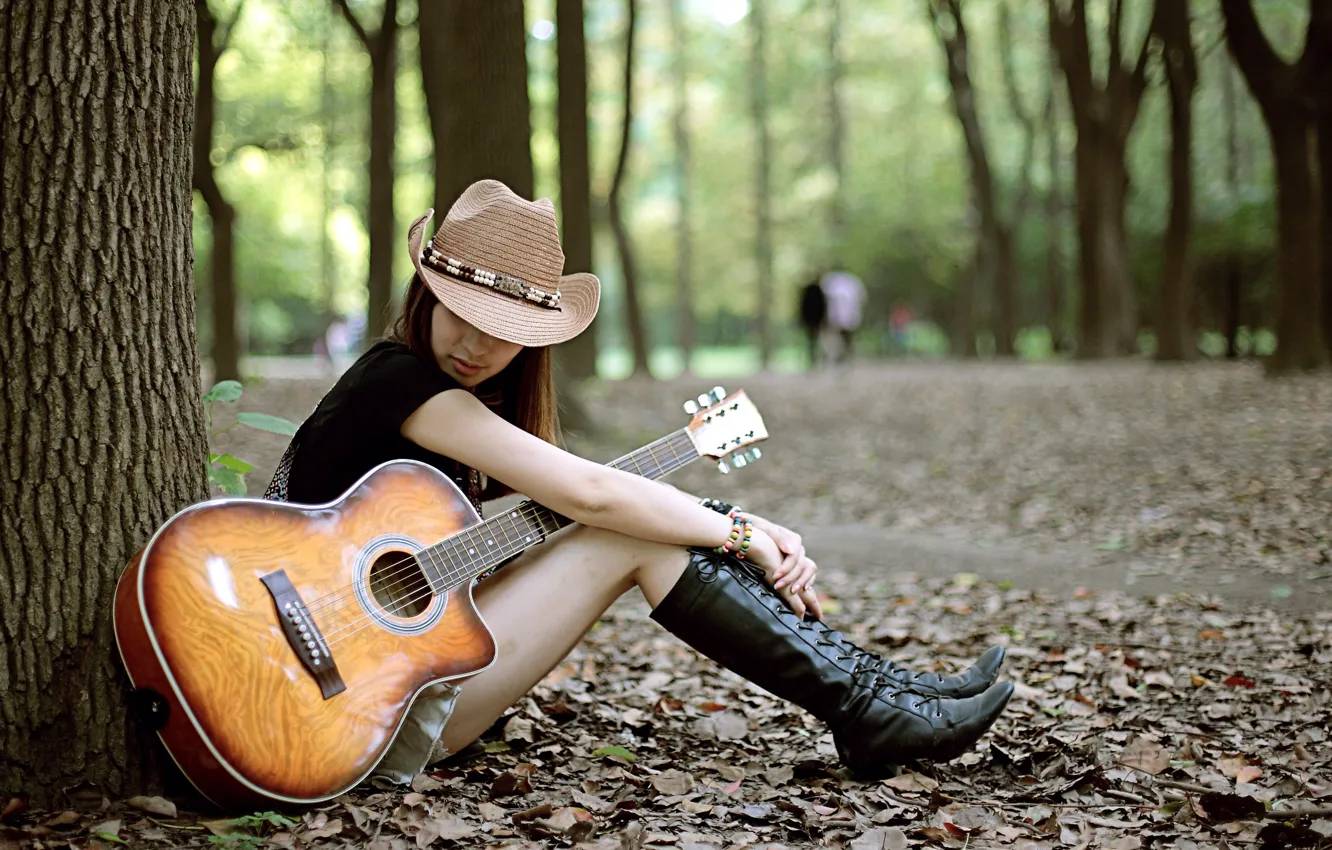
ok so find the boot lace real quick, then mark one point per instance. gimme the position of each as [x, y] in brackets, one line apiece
[867, 664]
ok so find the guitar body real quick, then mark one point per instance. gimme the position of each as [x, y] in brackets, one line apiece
[244, 718]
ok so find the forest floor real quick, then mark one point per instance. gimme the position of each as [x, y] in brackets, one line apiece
[1152, 544]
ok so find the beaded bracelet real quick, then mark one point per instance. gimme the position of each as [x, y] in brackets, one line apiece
[742, 530]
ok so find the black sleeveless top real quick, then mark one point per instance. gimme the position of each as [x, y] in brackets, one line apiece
[358, 425]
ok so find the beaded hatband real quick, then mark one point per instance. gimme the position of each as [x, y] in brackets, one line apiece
[507, 284]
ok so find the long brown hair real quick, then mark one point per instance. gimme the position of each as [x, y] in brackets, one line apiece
[523, 392]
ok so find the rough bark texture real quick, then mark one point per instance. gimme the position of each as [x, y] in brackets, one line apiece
[633, 310]
[1174, 316]
[685, 332]
[382, 46]
[225, 353]
[1104, 115]
[1285, 94]
[100, 422]
[758, 75]
[474, 73]
[577, 358]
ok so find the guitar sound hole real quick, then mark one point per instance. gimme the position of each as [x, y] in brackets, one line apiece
[397, 583]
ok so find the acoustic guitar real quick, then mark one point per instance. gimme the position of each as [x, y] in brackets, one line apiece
[277, 647]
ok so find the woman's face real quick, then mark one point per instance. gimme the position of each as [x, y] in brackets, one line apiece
[466, 354]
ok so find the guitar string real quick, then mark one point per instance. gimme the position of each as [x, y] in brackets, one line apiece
[451, 575]
[321, 603]
[404, 566]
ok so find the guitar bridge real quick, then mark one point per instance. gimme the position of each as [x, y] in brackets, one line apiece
[303, 635]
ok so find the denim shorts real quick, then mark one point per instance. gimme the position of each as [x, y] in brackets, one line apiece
[418, 743]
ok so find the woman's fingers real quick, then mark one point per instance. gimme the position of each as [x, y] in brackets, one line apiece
[795, 603]
[811, 600]
[783, 575]
[804, 575]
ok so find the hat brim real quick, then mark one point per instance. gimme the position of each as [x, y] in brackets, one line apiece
[503, 316]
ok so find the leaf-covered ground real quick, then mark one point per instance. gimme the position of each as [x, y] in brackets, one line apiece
[1184, 720]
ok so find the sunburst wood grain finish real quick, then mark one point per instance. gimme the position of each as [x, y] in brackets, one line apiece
[195, 623]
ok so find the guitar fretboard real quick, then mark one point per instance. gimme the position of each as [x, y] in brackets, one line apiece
[468, 554]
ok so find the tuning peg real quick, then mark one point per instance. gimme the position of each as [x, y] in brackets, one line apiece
[740, 460]
[704, 400]
[722, 467]
[718, 394]
[691, 407]
[754, 454]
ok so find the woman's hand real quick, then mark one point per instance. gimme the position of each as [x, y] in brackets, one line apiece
[781, 555]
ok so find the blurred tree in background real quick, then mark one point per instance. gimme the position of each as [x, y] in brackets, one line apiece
[872, 159]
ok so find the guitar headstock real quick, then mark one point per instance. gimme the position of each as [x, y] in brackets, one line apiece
[726, 428]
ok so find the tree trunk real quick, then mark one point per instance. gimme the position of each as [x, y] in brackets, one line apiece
[1174, 322]
[996, 238]
[684, 287]
[963, 334]
[474, 74]
[633, 310]
[836, 125]
[1285, 93]
[762, 182]
[382, 47]
[577, 357]
[1104, 115]
[1234, 277]
[222, 252]
[1054, 220]
[99, 388]
[1325, 210]
[1298, 305]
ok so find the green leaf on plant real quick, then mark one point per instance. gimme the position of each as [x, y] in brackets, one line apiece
[618, 752]
[232, 462]
[224, 391]
[228, 480]
[110, 836]
[267, 422]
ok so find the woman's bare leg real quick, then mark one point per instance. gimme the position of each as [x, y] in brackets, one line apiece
[540, 606]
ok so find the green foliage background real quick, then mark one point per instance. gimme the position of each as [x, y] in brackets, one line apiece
[291, 152]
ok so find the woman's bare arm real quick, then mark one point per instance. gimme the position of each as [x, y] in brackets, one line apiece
[456, 425]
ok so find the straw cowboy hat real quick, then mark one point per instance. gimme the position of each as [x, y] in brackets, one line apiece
[496, 262]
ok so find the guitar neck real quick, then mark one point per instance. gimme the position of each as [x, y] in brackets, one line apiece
[466, 555]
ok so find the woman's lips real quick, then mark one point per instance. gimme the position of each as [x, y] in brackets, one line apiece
[464, 368]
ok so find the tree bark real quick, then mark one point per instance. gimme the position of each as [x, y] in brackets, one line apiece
[996, 236]
[382, 47]
[1174, 321]
[1104, 115]
[684, 286]
[1285, 94]
[963, 335]
[222, 252]
[99, 369]
[474, 74]
[762, 181]
[633, 310]
[577, 358]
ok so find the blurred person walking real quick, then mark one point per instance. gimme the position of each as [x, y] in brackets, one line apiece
[845, 295]
[813, 318]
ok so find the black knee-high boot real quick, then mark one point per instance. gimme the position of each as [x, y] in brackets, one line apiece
[723, 608]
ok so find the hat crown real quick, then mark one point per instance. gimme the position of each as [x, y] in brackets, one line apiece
[492, 228]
